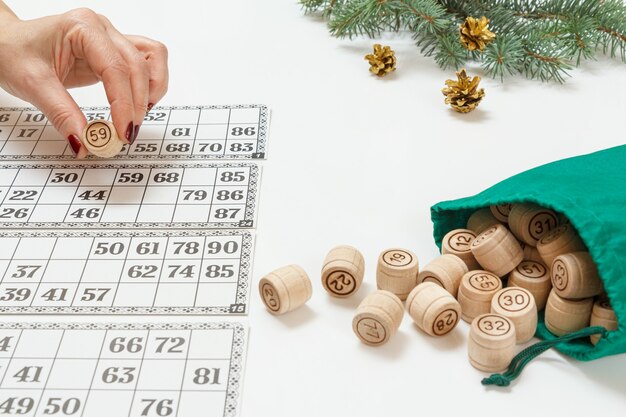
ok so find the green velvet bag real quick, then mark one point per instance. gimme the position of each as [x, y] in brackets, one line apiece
[591, 191]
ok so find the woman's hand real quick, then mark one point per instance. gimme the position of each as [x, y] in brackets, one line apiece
[41, 58]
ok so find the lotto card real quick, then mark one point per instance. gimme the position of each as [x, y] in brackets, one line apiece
[119, 237]
[104, 196]
[125, 272]
[173, 132]
[112, 370]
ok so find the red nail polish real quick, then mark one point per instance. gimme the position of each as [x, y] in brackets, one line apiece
[75, 144]
[150, 106]
[136, 133]
[130, 131]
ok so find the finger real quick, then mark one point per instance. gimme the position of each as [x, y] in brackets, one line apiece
[60, 109]
[139, 71]
[91, 43]
[156, 55]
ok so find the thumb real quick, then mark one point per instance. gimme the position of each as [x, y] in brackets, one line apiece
[51, 97]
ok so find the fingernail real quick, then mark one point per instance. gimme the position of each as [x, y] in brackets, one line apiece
[130, 131]
[136, 133]
[74, 143]
[150, 106]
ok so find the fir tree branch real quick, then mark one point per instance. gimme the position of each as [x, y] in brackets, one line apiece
[542, 39]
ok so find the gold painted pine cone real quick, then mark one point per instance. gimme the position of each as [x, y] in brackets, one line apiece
[463, 94]
[475, 33]
[382, 61]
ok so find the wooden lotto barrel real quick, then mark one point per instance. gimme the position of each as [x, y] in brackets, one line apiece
[433, 309]
[501, 212]
[491, 342]
[285, 289]
[497, 250]
[602, 315]
[481, 220]
[457, 242]
[397, 271]
[378, 318]
[101, 139]
[535, 277]
[565, 316]
[529, 222]
[445, 271]
[559, 241]
[575, 276]
[518, 305]
[343, 270]
[475, 293]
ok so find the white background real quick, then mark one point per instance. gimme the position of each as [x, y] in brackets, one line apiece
[359, 160]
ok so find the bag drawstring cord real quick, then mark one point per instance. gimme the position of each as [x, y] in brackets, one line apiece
[531, 352]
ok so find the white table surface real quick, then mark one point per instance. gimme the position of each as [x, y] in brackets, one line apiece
[359, 160]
